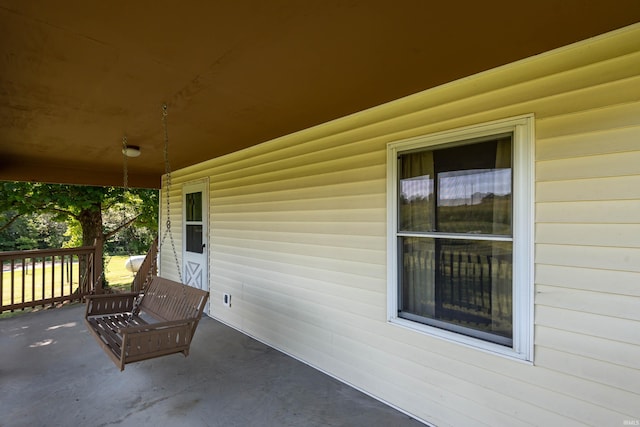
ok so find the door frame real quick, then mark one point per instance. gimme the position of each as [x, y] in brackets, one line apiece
[190, 187]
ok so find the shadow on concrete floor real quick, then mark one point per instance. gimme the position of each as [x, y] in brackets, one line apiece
[53, 373]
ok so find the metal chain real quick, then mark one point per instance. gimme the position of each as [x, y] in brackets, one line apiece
[125, 180]
[124, 163]
[167, 171]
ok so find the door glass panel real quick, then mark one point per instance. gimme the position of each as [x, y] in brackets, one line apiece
[194, 238]
[194, 206]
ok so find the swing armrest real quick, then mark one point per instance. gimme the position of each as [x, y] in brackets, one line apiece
[110, 303]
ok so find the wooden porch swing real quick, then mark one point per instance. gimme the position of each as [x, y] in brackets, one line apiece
[158, 321]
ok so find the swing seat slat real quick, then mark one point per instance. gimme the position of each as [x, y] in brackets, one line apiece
[115, 322]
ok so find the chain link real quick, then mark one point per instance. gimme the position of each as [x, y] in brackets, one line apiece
[167, 186]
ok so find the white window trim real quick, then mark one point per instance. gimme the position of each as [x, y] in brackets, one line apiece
[523, 225]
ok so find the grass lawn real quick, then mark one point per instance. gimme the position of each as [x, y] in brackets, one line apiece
[118, 276]
[38, 285]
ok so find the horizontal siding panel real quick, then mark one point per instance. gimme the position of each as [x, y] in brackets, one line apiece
[606, 141]
[429, 402]
[370, 173]
[612, 305]
[549, 97]
[604, 350]
[178, 178]
[293, 169]
[615, 235]
[606, 165]
[585, 99]
[588, 87]
[544, 388]
[492, 106]
[590, 369]
[336, 215]
[589, 279]
[289, 302]
[625, 331]
[595, 120]
[607, 258]
[297, 285]
[280, 308]
[560, 60]
[371, 188]
[328, 228]
[404, 388]
[311, 157]
[303, 204]
[283, 285]
[277, 250]
[291, 338]
[328, 141]
[227, 281]
[547, 403]
[359, 275]
[312, 238]
[589, 212]
[476, 400]
[618, 188]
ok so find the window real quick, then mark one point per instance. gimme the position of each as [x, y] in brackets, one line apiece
[460, 235]
[193, 210]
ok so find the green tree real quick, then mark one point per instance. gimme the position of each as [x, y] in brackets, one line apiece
[81, 207]
[14, 227]
[30, 231]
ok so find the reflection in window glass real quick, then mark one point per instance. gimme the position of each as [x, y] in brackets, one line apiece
[457, 284]
[463, 189]
[416, 204]
[461, 283]
[475, 201]
[194, 206]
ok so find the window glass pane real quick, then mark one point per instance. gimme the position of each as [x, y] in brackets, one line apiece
[416, 207]
[417, 281]
[459, 285]
[194, 206]
[474, 188]
[194, 238]
[463, 189]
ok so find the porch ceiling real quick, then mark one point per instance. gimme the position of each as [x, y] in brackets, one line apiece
[75, 76]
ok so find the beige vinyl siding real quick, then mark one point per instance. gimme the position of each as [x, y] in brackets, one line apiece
[298, 237]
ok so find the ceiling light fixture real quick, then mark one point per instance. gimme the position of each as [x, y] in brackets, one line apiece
[131, 150]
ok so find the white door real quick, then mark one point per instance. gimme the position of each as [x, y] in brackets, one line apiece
[195, 199]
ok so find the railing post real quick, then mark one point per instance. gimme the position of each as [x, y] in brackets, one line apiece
[97, 266]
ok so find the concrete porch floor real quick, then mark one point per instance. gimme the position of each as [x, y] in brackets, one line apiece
[53, 373]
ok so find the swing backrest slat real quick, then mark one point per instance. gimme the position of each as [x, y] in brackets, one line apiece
[167, 300]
